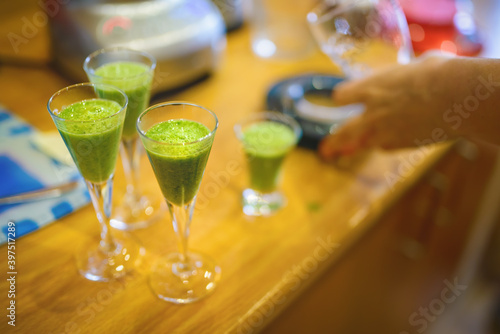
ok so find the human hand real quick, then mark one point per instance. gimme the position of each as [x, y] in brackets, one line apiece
[404, 107]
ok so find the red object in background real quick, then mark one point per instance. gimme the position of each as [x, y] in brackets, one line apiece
[121, 22]
[441, 25]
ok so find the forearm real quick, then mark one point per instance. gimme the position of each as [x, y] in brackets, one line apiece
[472, 87]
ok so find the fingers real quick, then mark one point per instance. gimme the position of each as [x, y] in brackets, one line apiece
[349, 92]
[396, 111]
[349, 139]
[372, 89]
[370, 130]
[368, 91]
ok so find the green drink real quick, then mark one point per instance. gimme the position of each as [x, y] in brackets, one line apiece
[178, 137]
[266, 144]
[90, 119]
[135, 80]
[132, 72]
[179, 168]
[267, 138]
[93, 145]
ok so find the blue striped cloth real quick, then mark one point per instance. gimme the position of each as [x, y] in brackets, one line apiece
[24, 168]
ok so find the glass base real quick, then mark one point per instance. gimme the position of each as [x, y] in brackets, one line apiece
[96, 264]
[175, 282]
[137, 212]
[259, 204]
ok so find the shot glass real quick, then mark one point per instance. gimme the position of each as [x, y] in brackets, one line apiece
[266, 138]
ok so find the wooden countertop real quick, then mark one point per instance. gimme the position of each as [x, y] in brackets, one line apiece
[266, 262]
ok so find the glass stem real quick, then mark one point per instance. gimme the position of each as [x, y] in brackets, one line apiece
[101, 194]
[181, 220]
[130, 150]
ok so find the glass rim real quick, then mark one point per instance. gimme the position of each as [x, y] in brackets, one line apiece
[273, 116]
[323, 13]
[94, 54]
[171, 103]
[86, 84]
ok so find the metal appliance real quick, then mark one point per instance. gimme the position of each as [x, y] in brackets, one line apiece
[187, 37]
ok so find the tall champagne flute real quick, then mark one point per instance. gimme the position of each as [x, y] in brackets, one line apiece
[131, 71]
[361, 35]
[178, 137]
[90, 119]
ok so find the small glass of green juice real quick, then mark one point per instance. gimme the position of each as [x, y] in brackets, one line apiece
[90, 120]
[131, 71]
[178, 137]
[267, 138]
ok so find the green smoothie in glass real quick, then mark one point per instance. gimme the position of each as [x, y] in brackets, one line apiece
[94, 139]
[267, 137]
[178, 137]
[179, 168]
[266, 144]
[135, 80]
[91, 126]
[132, 72]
